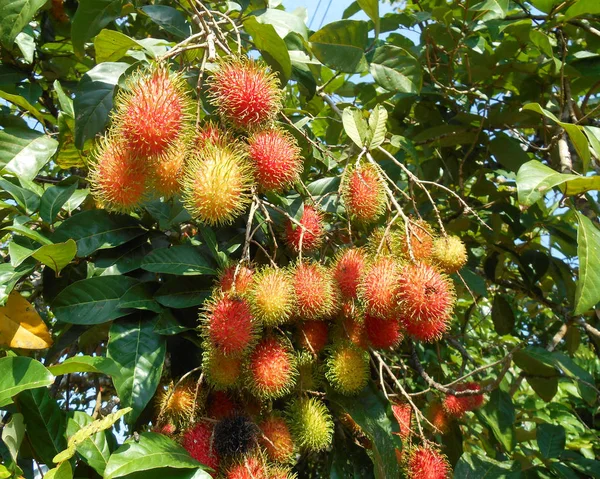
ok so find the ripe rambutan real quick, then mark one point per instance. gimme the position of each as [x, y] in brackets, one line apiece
[347, 368]
[243, 279]
[198, 441]
[363, 193]
[426, 462]
[316, 294]
[353, 329]
[421, 241]
[154, 112]
[449, 254]
[403, 415]
[216, 184]
[276, 158]
[166, 172]
[437, 416]
[229, 325]
[271, 296]
[252, 467]
[347, 271]
[219, 405]
[221, 371]
[177, 404]
[271, 369]
[167, 429]
[210, 134]
[310, 423]
[276, 439]
[235, 435]
[313, 335]
[310, 235]
[383, 333]
[245, 93]
[378, 288]
[118, 179]
[456, 406]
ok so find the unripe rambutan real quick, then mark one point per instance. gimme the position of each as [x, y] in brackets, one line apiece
[310, 423]
[316, 295]
[243, 279]
[449, 254]
[210, 134]
[437, 416]
[347, 271]
[245, 93]
[363, 193]
[271, 369]
[313, 335]
[276, 158]
[309, 373]
[421, 241]
[154, 113]
[198, 441]
[383, 333]
[235, 435]
[177, 404]
[118, 179]
[347, 368]
[271, 296]
[166, 172]
[229, 325]
[426, 462]
[219, 405]
[281, 472]
[221, 371]
[310, 235]
[378, 288]
[276, 439]
[252, 467]
[456, 406]
[403, 415]
[216, 184]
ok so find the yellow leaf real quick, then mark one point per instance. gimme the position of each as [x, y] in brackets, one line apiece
[21, 326]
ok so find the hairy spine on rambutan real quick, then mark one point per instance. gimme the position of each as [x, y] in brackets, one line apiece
[276, 439]
[249, 467]
[210, 134]
[245, 93]
[236, 279]
[363, 192]
[456, 406]
[348, 269]
[276, 158]
[277, 471]
[271, 369]
[199, 442]
[421, 238]
[235, 435]
[352, 328]
[216, 183]
[426, 462]
[378, 289]
[347, 368]
[313, 335]
[449, 254]
[166, 173]
[309, 373]
[221, 371]
[438, 417]
[316, 294]
[219, 405]
[177, 404]
[310, 423]
[309, 234]
[383, 333]
[271, 296]
[403, 415]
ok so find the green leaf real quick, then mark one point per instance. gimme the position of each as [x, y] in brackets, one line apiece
[371, 8]
[396, 70]
[140, 353]
[587, 294]
[341, 45]
[13, 433]
[508, 152]
[503, 316]
[182, 293]
[377, 125]
[545, 5]
[94, 96]
[271, 46]
[355, 126]
[53, 200]
[182, 260]
[65, 102]
[283, 22]
[140, 296]
[324, 185]
[86, 364]
[26, 43]
[19, 373]
[97, 229]
[535, 361]
[170, 19]
[111, 45]
[582, 7]
[546, 388]
[499, 415]
[496, 9]
[32, 156]
[125, 258]
[56, 256]
[14, 16]
[23, 104]
[9, 276]
[26, 199]
[583, 379]
[91, 17]
[551, 440]
[167, 324]
[62, 471]
[94, 449]
[471, 466]
[92, 301]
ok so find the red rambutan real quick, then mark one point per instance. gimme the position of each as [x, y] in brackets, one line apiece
[309, 236]
[426, 462]
[378, 288]
[403, 415]
[249, 468]
[383, 333]
[243, 280]
[210, 134]
[219, 405]
[198, 441]
[276, 439]
[166, 429]
[421, 241]
[316, 296]
[313, 335]
[347, 271]
[456, 406]
[271, 369]
[437, 416]
[364, 194]
[353, 329]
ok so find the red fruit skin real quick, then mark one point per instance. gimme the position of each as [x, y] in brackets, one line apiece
[313, 335]
[364, 194]
[425, 462]
[403, 415]
[383, 333]
[271, 368]
[348, 270]
[167, 429]
[313, 231]
[421, 242]
[456, 406]
[314, 288]
[276, 158]
[276, 439]
[209, 134]
[167, 172]
[243, 280]
[198, 442]
[250, 468]
[220, 405]
[230, 326]
[379, 288]
[354, 331]
[438, 417]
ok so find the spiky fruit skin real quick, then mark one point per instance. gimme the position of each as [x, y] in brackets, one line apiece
[271, 369]
[245, 93]
[118, 179]
[449, 254]
[238, 284]
[276, 158]
[347, 369]
[364, 194]
[353, 329]
[220, 405]
[216, 185]
[347, 271]
[198, 441]
[154, 113]
[421, 241]
[378, 288]
[177, 404]
[383, 333]
[310, 423]
[316, 295]
[310, 235]
[167, 172]
[386, 242]
[276, 439]
[271, 296]
[281, 472]
[456, 406]
[210, 134]
[309, 373]
[221, 371]
[403, 415]
[313, 335]
[228, 325]
[426, 299]
[426, 462]
[166, 429]
[249, 468]
[235, 435]
[437, 416]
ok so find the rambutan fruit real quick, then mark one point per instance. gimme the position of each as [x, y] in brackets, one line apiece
[456, 406]
[154, 112]
[245, 93]
[167, 429]
[421, 241]
[309, 373]
[437, 416]
[363, 193]
[276, 439]
[309, 235]
[271, 296]
[235, 435]
[252, 467]
[403, 414]
[310, 423]
[378, 289]
[277, 471]
[316, 294]
[220, 370]
[383, 333]
[271, 369]
[228, 325]
[210, 134]
[118, 179]
[216, 184]
[449, 254]
[426, 462]
[276, 158]
[347, 368]
[242, 282]
[166, 172]
[313, 335]
[177, 404]
[353, 329]
[348, 268]
[219, 405]
[385, 241]
[198, 441]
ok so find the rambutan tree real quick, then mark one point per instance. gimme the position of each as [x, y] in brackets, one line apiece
[237, 246]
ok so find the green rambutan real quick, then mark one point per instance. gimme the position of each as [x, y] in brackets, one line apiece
[309, 235]
[385, 241]
[251, 467]
[271, 296]
[309, 373]
[271, 369]
[378, 289]
[177, 404]
[316, 294]
[276, 439]
[403, 414]
[456, 406]
[221, 371]
[347, 368]
[363, 192]
[348, 268]
[310, 423]
[449, 254]
[313, 335]
[383, 333]
[242, 282]
[235, 435]
[198, 441]
[426, 462]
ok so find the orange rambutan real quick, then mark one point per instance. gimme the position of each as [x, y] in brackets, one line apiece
[166, 172]
[456, 406]
[363, 193]
[313, 335]
[309, 235]
[403, 415]
[177, 404]
[378, 288]
[198, 441]
[383, 333]
[348, 270]
[421, 241]
[426, 462]
[316, 295]
[220, 370]
[437, 416]
[271, 369]
[242, 282]
[252, 467]
[276, 439]
[271, 296]
[276, 158]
